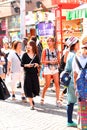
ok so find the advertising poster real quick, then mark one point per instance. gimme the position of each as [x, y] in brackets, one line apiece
[44, 30]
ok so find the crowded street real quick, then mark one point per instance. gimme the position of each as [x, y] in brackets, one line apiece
[16, 115]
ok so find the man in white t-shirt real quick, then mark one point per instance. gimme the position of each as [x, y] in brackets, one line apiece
[14, 67]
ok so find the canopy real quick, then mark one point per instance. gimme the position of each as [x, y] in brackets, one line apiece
[77, 13]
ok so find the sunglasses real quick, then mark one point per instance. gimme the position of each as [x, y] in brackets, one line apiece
[52, 54]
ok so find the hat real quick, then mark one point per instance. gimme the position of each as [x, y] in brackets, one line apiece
[84, 42]
[5, 40]
[71, 41]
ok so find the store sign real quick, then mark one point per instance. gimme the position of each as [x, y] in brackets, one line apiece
[58, 24]
[67, 1]
[29, 19]
[45, 29]
[3, 24]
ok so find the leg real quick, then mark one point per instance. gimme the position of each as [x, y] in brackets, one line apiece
[31, 103]
[70, 122]
[47, 84]
[62, 94]
[57, 87]
[21, 79]
[13, 84]
[70, 112]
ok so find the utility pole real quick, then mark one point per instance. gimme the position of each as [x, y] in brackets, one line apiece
[22, 20]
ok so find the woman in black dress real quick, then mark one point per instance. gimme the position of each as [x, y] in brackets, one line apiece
[30, 62]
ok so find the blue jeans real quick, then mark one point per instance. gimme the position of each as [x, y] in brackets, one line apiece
[70, 112]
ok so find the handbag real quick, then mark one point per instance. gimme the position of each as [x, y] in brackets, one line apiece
[4, 93]
[65, 78]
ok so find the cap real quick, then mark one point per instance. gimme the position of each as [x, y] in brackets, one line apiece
[71, 41]
[5, 40]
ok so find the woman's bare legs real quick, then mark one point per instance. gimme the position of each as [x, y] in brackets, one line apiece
[31, 103]
[57, 86]
[47, 84]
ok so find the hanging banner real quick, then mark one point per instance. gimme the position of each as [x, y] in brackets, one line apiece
[44, 30]
[58, 22]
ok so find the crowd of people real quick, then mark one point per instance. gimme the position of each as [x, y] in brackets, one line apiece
[24, 65]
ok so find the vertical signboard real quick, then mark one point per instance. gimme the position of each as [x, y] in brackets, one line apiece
[58, 23]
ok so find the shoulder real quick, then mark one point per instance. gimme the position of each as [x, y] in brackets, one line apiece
[24, 54]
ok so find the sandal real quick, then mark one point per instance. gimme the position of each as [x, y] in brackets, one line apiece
[58, 103]
[61, 99]
[42, 101]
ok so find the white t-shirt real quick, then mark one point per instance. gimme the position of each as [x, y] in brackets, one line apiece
[15, 62]
[82, 60]
[1, 66]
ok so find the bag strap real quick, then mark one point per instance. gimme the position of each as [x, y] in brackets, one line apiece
[47, 53]
[32, 59]
[18, 56]
[78, 63]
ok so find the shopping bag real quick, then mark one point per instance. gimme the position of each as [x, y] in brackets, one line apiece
[82, 115]
[4, 93]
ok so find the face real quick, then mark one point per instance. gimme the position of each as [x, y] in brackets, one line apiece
[50, 42]
[84, 51]
[19, 46]
[29, 48]
[77, 46]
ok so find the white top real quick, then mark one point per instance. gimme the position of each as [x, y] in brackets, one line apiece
[15, 62]
[82, 60]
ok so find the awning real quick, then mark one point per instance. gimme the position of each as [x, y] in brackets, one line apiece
[77, 13]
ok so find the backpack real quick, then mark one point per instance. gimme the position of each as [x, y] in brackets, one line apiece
[82, 82]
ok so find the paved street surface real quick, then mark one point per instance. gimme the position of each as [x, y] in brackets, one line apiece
[16, 115]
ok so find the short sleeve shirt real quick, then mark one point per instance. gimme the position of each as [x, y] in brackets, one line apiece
[82, 60]
[15, 62]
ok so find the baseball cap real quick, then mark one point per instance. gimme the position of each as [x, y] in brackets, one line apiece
[71, 41]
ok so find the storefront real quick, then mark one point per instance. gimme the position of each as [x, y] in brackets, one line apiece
[81, 14]
[2, 30]
[14, 27]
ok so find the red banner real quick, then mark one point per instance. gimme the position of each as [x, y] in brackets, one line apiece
[68, 1]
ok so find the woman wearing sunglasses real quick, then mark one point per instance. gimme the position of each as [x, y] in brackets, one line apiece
[50, 60]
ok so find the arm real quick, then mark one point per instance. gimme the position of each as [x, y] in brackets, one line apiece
[8, 67]
[43, 58]
[75, 75]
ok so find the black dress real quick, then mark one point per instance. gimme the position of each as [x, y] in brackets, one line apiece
[31, 81]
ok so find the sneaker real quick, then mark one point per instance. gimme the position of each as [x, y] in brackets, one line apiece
[13, 96]
[73, 124]
[24, 99]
